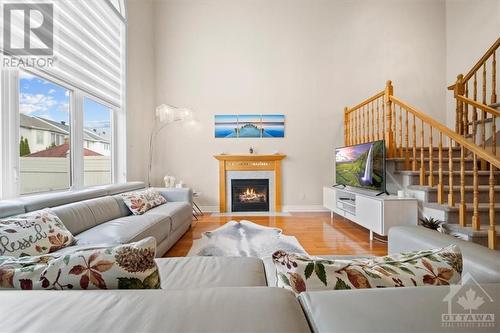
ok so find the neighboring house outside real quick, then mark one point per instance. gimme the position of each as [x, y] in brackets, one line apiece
[40, 134]
[43, 134]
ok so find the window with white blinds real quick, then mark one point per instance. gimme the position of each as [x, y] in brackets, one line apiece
[89, 48]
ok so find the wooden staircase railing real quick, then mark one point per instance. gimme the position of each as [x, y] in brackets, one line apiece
[476, 100]
[409, 135]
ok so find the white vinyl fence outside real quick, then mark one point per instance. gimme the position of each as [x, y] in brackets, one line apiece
[43, 174]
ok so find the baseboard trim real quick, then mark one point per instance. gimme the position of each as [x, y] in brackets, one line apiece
[304, 208]
[286, 208]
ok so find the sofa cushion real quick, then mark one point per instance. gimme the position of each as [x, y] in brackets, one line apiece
[32, 234]
[77, 217]
[11, 207]
[427, 267]
[207, 272]
[179, 212]
[104, 209]
[125, 187]
[47, 200]
[410, 310]
[129, 266]
[481, 262]
[256, 309]
[127, 229]
[140, 202]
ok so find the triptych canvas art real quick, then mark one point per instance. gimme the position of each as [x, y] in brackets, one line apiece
[250, 126]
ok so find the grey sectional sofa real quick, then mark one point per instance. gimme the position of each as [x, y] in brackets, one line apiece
[233, 294]
[98, 216]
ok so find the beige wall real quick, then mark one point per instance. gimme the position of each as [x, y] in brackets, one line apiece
[140, 85]
[472, 26]
[305, 59]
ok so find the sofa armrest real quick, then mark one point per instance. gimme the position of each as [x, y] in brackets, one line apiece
[478, 260]
[177, 194]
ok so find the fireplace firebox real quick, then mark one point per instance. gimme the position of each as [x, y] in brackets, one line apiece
[250, 195]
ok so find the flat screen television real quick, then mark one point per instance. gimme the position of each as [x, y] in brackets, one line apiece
[361, 165]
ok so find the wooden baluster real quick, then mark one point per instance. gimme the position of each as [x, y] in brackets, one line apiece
[476, 223]
[407, 156]
[383, 120]
[414, 144]
[494, 79]
[368, 123]
[492, 235]
[400, 132]
[394, 130]
[484, 115]
[465, 110]
[351, 134]
[431, 159]
[474, 111]
[363, 127]
[462, 208]
[451, 197]
[389, 136]
[373, 121]
[367, 139]
[440, 190]
[365, 124]
[378, 120]
[459, 91]
[346, 127]
[422, 149]
[493, 101]
[359, 126]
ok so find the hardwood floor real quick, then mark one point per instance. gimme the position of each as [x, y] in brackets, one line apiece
[317, 233]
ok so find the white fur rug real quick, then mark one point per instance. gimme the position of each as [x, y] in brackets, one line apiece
[244, 239]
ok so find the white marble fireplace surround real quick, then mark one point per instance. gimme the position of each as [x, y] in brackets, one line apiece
[230, 175]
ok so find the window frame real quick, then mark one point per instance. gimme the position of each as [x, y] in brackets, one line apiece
[112, 110]
[10, 186]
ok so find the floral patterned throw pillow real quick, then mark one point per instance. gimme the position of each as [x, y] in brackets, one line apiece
[142, 201]
[129, 266]
[431, 267]
[32, 234]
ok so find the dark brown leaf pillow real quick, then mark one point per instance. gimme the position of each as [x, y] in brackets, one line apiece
[32, 234]
[431, 267]
[129, 266]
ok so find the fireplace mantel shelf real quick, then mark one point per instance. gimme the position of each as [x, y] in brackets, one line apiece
[249, 162]
[249, 157]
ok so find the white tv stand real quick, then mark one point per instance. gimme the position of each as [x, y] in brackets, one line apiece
[375, 213]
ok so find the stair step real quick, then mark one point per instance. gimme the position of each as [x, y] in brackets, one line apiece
[495, 106]
[483, 192]
[400, 163]
[467, 233]
[483, 177]
[480, 121]
[452, 213]
[435, 151]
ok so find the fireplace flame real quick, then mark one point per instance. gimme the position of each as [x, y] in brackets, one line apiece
[251, 195]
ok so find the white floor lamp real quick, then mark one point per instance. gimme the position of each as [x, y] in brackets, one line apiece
[165, 114]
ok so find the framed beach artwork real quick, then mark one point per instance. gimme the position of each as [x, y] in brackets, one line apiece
[226, 126]
[273, 126]
[250, 126]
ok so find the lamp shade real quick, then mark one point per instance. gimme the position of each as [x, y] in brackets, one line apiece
[169, 114]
